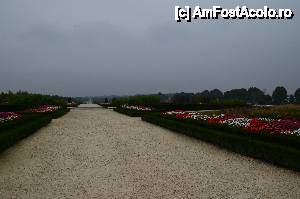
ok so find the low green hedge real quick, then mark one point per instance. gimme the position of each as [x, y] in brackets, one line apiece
[129, 112]
[277, 152]
[58, 113]
[169, 107]
[13, 108]
[13, 131]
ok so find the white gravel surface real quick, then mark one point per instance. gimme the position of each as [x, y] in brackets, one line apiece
[98, 153]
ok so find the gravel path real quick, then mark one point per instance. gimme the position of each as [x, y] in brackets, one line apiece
[98, 153]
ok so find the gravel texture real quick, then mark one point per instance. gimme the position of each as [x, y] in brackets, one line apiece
[98, 153]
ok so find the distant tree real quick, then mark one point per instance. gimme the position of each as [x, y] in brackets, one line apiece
[257, 96]
[279, 95]
[291, 99]
[267, 99]
[204, 96]
[215, 94]
[237, 94]
[183, 98]
[253, 95]
[29, 100]
[297, 96]
[105, 100]
[70, 100]
[144, 100]
[197, 98]
[120, 101]
[163, 97]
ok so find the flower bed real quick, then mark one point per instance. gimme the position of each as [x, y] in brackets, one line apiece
[277, 126]
[137, 108]
[44, 109]
[8, 116]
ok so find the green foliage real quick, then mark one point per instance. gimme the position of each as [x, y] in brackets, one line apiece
[184, 98]
[282, 151]
[194, 107]
[279, 95]
[297, 96]
[253, 96]
[291, 99]
[227, 103]
[216, 95]
[119, 101]
[240, 94]
[147, 100]
[131, 113]
[13, 131]
[22, 100]
[203, 97]
[257, 96]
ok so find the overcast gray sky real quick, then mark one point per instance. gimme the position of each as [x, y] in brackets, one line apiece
[92, 47]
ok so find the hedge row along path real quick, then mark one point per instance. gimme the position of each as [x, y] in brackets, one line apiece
[98, 153]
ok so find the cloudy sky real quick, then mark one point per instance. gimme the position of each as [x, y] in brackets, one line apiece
[92, 47]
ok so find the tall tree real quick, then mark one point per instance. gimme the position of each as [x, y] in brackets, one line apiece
[239, 94]
[279, 95]
[205, 97]
[257, 96]
[291, 99]
[216, 94]
[253, 95]
[183, 98]
[297, 96]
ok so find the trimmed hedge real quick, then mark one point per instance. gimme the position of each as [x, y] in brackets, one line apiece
[280, 153]
[169, 107]
[131, 113]
[12, 108]
[13, 131]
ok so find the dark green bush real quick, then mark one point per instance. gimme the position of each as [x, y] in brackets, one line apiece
[12, 108]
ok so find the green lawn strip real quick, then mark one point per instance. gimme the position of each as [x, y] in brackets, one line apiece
[279, 154]
[14, 131]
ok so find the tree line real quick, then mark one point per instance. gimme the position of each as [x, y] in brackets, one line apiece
[149, 100]
[24, 99]
[251, 95]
